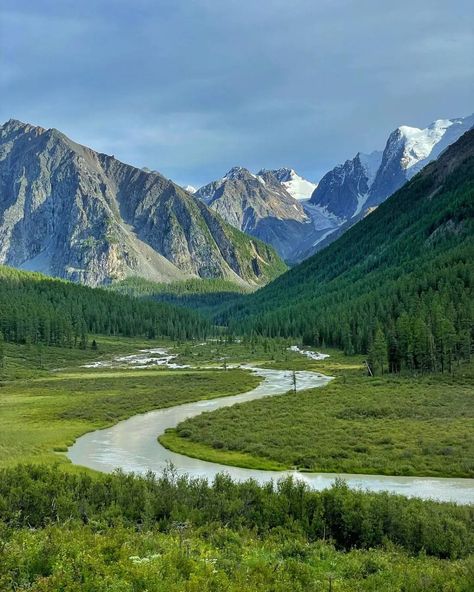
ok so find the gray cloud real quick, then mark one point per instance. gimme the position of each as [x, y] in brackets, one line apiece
[192, 88]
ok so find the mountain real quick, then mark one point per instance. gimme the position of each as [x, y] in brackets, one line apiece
[401, 276]
[344, 190]
[297, 186]
[409, 149]
[71, 212]
[261, 206]
[352, 189]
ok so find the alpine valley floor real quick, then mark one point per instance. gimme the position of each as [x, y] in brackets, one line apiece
[391, 425]
[65, 528]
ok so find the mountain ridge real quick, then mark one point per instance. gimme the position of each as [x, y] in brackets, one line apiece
[352, 189]
[402, 276]
[259, 205]
[86, 216]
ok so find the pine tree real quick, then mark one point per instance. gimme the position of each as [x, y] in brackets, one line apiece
[378, 352]
[2, 356]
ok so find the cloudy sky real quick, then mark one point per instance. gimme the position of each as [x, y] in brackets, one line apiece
[193, 87]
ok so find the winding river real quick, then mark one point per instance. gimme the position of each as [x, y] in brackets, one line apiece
[132, 446]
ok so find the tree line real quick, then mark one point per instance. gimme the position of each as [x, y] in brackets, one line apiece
[37, 309]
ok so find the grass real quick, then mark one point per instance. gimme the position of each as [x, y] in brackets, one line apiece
[43, 409]
[393, 425]
[47, 400]
[172, 440]
[271, 353]
[400, 425]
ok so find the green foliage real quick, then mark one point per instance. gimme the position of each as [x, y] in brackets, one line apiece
[38, 309]
[378, 352]
[75, 558]
[201, 294]
[407, 268]
[393, 425]
[33, 496]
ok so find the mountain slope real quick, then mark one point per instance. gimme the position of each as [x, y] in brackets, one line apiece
[38, 309]
[344, 190]
[352, 189]
[407, 268]
[261, 206]
[297, 186]
[74, 213]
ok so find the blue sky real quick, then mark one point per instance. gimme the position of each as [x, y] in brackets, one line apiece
[194, 87]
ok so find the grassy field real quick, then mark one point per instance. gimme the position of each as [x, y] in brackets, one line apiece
[394, 425]
[388, 425]
[47, 400]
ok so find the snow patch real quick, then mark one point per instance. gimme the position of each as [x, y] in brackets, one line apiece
[423, 146]
[297, 186]
[420, 142]
[371, 163]
[320, 216]
[361, 200]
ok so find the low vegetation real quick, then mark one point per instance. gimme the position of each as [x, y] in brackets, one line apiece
[394, 425]
[122, 532]
[43, 409]
[78, 558]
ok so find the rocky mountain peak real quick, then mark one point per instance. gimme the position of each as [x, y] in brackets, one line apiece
[238, 172]
[69, 211]
[261, 205]
[350, 189]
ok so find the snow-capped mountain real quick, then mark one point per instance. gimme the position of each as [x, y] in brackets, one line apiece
[353, 189]
[344, 190]
[297, 186]
[409, 149]
[190, 188]
[260, 205]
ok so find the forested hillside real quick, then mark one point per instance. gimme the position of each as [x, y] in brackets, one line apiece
[398, 286]
[38, 309]
[201, 294]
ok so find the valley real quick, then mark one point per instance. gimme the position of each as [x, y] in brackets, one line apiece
[160, 395]
[391, 428]
[236, 296]
[177, 518]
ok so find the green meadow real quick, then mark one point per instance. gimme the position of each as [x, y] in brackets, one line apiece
[47, 399]
[85, 531]
[392, 424]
